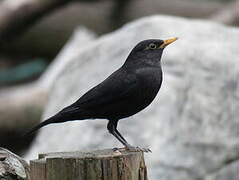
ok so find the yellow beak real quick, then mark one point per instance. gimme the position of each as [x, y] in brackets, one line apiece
[167, 42]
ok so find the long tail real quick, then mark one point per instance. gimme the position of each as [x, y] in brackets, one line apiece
[67, 114]
[52, 119]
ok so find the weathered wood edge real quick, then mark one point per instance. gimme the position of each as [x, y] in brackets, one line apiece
[99, 164]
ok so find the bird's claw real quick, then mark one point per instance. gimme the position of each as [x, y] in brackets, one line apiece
[137, 149]
[115, 149]
[147, 150]
[132, 149]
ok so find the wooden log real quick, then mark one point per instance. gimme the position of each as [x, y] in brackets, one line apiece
[95, 165]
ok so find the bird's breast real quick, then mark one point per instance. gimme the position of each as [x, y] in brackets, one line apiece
[150, 80]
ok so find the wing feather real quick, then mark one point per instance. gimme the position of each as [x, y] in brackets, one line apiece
[116, 87]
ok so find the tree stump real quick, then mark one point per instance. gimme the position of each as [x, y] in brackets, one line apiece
[95, 165]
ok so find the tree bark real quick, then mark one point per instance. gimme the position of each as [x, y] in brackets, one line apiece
[94, 165]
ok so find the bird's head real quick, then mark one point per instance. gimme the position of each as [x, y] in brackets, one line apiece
[148, 51]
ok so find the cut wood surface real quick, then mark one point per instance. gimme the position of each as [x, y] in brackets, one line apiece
[95, 165]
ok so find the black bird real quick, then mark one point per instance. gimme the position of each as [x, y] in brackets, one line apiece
[127, 91]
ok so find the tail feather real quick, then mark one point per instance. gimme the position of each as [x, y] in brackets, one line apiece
[44, 123]
[67, 114]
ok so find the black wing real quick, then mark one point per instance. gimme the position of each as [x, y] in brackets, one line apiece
[116, 87]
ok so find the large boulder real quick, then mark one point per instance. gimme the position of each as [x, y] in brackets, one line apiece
[21, 106]
[192, 126]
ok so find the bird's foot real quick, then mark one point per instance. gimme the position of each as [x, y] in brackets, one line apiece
[116, 149]
[130, 148]
[137, 149]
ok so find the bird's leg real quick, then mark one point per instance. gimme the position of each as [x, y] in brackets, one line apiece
[115, 128]
[112, 127]
[127, 145]
[112, 130]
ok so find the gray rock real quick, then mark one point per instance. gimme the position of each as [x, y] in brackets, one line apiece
[12, 167]
[192, 126]
[21, 106]
[228, 171]
[79, 40]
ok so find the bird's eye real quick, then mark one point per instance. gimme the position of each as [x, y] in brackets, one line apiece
[152, 46]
